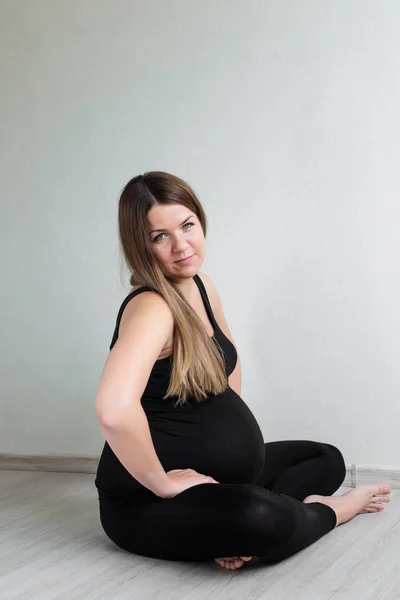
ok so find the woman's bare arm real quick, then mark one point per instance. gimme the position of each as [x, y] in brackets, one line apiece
[148, 323]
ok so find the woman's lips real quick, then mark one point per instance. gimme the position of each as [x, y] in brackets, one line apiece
[185, 261]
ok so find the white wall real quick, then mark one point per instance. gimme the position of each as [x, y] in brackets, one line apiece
[284, 117]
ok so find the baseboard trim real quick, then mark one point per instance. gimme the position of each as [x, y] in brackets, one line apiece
[73, 463]
[373, 474]
[59, 463]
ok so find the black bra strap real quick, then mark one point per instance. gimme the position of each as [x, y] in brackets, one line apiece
[206, 301]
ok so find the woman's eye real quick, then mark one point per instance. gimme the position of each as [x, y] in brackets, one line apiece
[156, 239]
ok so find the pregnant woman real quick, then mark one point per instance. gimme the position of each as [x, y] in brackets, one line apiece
[185, 473]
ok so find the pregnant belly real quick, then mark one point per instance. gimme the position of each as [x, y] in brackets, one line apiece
[219, 437]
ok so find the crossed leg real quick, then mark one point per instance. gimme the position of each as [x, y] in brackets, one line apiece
[293, 476]
[295, 468]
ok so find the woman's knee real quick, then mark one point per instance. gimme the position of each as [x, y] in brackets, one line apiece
[261, 512]
[338, 465]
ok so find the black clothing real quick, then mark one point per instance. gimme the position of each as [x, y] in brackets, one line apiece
[218, 437]
[255, 510]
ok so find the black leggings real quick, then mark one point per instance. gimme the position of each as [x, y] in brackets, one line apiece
[265, 519]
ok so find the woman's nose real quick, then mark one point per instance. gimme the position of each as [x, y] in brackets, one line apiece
[179, 244]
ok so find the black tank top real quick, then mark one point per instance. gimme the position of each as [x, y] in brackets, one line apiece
[218, 436]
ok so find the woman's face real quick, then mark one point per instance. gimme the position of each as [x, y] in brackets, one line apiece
[181, 237]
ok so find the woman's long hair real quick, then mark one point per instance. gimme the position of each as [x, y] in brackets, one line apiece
[197, 365]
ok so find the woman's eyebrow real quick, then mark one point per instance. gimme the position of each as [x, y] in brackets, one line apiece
[187, 218]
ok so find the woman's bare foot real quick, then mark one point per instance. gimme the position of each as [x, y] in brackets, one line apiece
[365, 498]
[233, 562]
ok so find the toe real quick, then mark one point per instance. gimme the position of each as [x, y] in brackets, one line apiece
[376, 505]
[373, 507]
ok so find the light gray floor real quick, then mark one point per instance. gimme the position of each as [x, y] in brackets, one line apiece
[52, 547]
